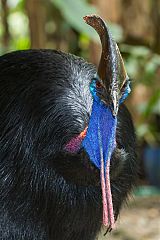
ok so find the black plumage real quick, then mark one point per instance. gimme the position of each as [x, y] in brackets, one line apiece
[45, 192]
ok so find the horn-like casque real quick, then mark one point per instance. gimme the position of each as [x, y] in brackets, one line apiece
[111, 68]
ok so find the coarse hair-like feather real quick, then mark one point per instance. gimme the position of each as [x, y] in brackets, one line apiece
[45, 192]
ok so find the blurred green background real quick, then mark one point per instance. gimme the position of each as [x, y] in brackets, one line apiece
[58, 24]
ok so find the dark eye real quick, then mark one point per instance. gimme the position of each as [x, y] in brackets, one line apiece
[98, 85]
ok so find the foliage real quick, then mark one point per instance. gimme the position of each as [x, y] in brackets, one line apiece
[72, 11]
[144, 66]
[18, 27]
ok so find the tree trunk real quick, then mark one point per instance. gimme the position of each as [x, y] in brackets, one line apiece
[156, 24]
[6, 35]
[37, 15]
[137, 23]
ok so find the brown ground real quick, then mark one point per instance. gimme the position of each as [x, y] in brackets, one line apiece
[139, 221]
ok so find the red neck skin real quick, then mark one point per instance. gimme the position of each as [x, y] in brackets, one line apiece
[74, 144]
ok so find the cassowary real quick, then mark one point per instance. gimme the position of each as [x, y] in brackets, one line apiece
[67, 142]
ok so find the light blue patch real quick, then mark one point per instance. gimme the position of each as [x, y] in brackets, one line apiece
[93, 90]
[126, 93]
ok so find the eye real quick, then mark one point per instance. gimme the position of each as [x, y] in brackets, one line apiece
[96, 88]
[98, 85]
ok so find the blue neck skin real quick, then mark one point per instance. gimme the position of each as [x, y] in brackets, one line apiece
[102, 125]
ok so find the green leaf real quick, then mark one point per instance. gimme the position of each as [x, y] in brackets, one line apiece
[153, 105]
[116, 31]
[73, 12]
[136, 51]
[142, 130]
[132, 66]
[18, 24]
[20, 43]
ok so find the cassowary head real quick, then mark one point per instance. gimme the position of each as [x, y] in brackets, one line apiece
[94, 101]
[64, 127]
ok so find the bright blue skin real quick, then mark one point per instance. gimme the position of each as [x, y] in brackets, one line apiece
[94, 91]
[126, 93]
[101, 133]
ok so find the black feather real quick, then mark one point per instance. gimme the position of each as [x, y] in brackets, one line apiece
[45, 192]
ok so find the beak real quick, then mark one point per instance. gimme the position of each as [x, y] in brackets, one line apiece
[111, 68]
